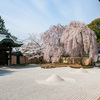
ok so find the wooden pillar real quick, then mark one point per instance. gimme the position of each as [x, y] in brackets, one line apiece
[9, 58]
[5, 57]
[10, 55]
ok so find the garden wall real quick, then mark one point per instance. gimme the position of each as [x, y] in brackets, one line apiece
[13, 60]
[25, 60]
[76, 60]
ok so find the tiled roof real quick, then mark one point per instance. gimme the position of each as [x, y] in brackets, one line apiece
[6, 38]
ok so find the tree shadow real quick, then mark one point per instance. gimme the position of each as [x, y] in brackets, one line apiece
[5, 72]
[29, 66]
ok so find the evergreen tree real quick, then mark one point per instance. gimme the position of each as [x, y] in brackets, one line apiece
[95, 26]
[2, 26]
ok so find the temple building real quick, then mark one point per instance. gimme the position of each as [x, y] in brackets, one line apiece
[7, 43]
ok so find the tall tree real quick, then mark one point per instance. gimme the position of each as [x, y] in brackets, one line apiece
[2, 26]
[52, 44]
[95, 26]
[79, 40]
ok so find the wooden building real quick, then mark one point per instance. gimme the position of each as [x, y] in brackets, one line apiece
[6, 45]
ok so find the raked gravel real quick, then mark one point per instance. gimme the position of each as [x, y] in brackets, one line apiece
[35, 83]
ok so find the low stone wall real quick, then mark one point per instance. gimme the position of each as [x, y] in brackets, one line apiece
[68, 60]
[87, 61]
[76, 60]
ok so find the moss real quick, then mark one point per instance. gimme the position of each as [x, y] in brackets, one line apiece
[55, 65]
[27, 64]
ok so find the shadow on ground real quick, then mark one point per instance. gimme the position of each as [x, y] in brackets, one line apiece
[5, 72]
[30, 66]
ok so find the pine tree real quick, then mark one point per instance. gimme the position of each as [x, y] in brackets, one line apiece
[2, 26]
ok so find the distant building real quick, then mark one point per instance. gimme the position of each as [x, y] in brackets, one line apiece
[6, 45]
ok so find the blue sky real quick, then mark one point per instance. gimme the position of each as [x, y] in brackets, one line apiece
[36, 16]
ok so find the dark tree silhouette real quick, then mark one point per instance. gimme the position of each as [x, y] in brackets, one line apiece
[2, 26]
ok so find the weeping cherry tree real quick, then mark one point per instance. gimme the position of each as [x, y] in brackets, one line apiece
[79, 40]
[53, 48]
